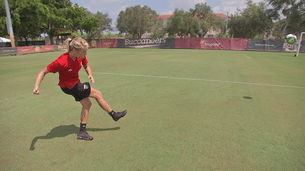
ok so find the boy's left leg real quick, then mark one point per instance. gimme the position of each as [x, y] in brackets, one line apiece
[84, 117]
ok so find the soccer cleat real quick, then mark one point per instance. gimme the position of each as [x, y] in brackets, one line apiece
[83, 135]
[117, 115]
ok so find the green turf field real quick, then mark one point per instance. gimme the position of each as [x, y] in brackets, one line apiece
[187, 110]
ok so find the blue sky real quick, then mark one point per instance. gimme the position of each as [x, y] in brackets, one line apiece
[113, 7]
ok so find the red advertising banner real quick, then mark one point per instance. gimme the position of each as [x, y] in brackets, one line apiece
[211, 43]
[25, 49]
[239, 44]
[93, 43]
[182, 43]
[33, 49]
[108, 43]
[47, 48]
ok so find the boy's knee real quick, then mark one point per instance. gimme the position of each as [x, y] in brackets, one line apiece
[96, 93]
[87, 104]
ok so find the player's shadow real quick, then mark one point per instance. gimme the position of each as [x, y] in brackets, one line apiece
[65, 130]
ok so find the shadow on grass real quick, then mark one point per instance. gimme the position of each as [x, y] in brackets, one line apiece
[65, 130]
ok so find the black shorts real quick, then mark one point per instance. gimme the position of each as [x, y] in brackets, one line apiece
[79, 91]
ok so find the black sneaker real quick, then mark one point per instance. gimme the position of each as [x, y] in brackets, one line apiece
[83, 135]
[117, 115]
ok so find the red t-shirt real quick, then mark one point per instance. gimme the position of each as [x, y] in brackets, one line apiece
[68, 69]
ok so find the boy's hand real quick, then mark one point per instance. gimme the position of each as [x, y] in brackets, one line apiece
[91, 78]
[36, 90]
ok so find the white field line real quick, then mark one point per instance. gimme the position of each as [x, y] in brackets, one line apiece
[198, 79]
[247, 56]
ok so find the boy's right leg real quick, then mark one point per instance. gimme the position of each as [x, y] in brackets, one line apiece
[99, 98]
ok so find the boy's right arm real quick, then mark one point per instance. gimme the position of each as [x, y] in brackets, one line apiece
[39, 78]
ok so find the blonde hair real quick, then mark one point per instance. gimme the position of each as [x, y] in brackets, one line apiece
[76, 43]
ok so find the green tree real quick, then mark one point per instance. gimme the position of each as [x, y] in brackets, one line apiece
[177, 24]
[74, 20]
[158, 29]
[90, 25]
[238, 26]
[251, 22]
[30, 22]
[293, 11]
[136, 20]
[208, 20]
[28, 18]
[103, 24]
[183, 24]
[66, 17]
[195, 26]
[63, 17]
[105, 21]
[203, 11]
[195, 23]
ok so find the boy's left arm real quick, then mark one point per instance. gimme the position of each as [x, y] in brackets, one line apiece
[88, 70]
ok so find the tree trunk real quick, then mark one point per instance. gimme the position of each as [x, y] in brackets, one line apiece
[26, 41]
[288, 20]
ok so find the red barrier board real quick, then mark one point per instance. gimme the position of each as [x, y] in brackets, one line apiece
[182, 43]
[47, 48]
[108, 43]
[25, 49]
[211, 43]
[33, 49]
[239, 44]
